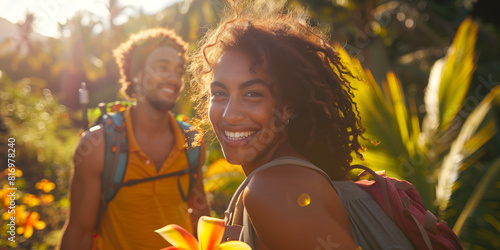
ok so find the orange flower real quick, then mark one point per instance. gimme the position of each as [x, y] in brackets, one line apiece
[30, 220]
[16, 213]
[210, 231]
[5, 196]
[46, 198]
[45, 185]
[31, 200]
[18, 172]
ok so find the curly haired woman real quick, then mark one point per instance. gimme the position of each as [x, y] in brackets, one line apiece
[278, 98]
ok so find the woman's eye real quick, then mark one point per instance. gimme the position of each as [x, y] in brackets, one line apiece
[217, 93]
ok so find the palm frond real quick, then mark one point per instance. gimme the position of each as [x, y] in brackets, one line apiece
[449, 80]
[477, 195]
[385, 116]
[465, 144]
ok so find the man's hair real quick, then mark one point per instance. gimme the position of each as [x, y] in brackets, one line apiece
[305, 71]
[131, 55]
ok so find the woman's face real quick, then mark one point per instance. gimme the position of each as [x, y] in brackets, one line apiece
[243, 110]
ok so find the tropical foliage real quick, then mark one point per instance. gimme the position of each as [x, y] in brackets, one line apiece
[437, 153]
[41, 128]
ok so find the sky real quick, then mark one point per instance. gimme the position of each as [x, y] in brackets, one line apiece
[49, 12]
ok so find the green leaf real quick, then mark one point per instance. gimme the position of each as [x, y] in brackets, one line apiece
[477, 195]
[470, 139]
[450, 77]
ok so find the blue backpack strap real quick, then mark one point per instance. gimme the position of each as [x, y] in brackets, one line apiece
[193, 157]
[115, 161]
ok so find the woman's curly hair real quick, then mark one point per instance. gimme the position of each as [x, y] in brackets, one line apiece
[131, 55]
[306, 72]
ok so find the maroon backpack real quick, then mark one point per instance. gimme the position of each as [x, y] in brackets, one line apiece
[402, 203]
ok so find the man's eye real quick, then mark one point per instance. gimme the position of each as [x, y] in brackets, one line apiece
[253, 94]
[161, 68]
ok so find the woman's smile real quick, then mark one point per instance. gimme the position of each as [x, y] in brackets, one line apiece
[236, 136]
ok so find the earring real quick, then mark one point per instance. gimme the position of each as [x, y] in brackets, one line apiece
[285, 112]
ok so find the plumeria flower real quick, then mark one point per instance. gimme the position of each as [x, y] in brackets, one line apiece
[210, 232]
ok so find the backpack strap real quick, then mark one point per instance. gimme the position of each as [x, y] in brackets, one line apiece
[381, 181]
[193, 157]
[115, 159]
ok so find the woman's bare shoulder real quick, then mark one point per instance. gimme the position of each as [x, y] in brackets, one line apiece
[282, 183]
[295, 202]
[289, 191]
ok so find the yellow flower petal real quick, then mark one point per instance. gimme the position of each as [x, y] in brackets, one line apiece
[178, 237]
[39, 225]
[233, 245]
[28, 232]
[210, 232]
[6, 216]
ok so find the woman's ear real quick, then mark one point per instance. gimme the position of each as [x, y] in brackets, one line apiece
[287, 110]
[287, 113]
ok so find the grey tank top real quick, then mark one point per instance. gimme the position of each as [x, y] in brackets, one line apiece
[371, 227]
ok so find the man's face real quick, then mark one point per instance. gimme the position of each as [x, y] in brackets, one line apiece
[161, 80]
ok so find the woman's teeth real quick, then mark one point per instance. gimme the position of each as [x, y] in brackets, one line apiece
[234, 136]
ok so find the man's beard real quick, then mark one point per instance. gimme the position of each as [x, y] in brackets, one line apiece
[158, 104]
[161, 105]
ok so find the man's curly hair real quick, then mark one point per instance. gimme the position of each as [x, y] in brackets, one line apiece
[306, 72]
[131, 55]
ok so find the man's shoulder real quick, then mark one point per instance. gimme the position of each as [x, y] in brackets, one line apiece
[95, 136]
[90, 150]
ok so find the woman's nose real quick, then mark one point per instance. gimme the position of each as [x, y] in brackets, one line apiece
[233, 111]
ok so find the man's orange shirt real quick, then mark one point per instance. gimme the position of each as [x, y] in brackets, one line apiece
[135, 212]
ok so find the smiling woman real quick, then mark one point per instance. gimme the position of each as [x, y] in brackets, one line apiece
[242, 109]
[302, 86]
[274, 90]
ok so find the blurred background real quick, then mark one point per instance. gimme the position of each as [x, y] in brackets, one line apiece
[428, 98]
